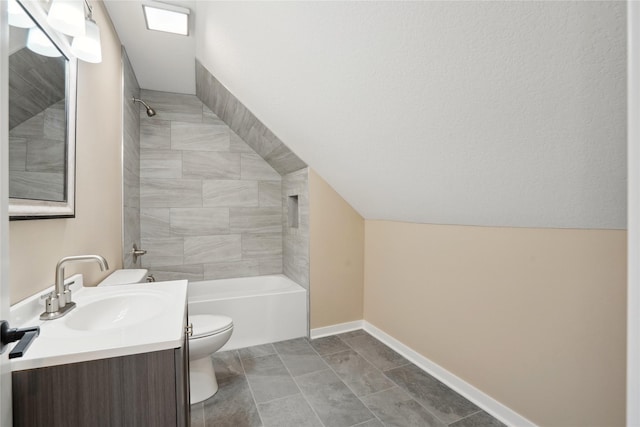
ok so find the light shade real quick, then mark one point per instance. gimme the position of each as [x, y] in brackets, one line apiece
[87, 47]
[170, 19]
[17, 16]
[67, 16]
[38, 42]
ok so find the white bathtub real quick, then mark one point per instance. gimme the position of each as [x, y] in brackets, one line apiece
[264, 309]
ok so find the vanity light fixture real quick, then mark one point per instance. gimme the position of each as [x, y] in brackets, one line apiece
[87, 47]
[38, 42]
[167, 18]
[67, 16]
[17, 16]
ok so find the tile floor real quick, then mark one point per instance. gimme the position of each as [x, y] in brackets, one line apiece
[351, 379]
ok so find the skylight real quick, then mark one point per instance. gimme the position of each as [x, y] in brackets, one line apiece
[167, 18]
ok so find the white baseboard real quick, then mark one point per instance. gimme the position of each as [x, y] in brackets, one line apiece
[482, 400]
[336, 329]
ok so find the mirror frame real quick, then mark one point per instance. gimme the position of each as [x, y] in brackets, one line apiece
[23, 209]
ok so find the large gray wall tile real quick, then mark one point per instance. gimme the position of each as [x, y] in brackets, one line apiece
[17, 153]
[199, 137]
[230, 193]
[270, 265]
[214, 95]
[231, 269]
[199, 221]
[210, 165]
[166, 193]
[193, 185]
[207, 249]
[255, 220]
[162, 251]
[193, 273]
[270, 193]
[263, 245]
[254, 167]
[155, 222]
[172, 106]
[160, 164]
[155, 134]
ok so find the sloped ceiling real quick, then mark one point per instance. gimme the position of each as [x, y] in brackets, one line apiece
[478, 113]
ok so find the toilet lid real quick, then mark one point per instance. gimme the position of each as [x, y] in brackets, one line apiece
[209, 324]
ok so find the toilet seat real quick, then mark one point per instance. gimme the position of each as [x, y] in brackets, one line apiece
[205, 325]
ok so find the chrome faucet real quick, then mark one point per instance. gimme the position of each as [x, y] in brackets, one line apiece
[59, 301]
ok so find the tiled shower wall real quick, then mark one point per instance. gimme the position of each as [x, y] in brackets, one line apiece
[210, 207]
[295, 226]
[130, 163]
[37, 156]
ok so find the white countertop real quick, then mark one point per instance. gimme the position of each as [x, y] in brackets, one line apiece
[60, 343]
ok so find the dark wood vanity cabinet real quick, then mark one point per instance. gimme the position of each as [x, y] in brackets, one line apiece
[148, 389]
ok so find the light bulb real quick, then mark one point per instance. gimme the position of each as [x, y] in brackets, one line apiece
[17, 16]
[67, 16]
[38, 42]
[87, 47]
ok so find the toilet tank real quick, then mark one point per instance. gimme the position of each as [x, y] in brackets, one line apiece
[125, 277]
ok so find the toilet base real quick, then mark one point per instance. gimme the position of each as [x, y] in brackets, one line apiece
[202, 379]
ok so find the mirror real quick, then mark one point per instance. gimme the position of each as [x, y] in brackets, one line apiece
[41, 118]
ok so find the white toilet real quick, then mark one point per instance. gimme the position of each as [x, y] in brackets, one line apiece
[210, 333]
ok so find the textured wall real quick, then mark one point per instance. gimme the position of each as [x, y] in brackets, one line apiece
[130, 163]
[210, 206]
[295, 231]
[36, 246]
[336, 257]
[480, 113]
[535, 318]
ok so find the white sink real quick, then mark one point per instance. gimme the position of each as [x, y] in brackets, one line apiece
[118, 311]
[109, 321]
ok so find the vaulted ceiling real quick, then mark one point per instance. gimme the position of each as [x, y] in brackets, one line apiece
[478, 113]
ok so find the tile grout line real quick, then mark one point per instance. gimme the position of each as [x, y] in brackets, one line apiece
[350, 389]
[299, 389]
[465, 417]
[391, 379]
[246, 377]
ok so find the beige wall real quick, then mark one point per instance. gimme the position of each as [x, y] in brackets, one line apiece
[36, 246]
[336, 256]
[533, 317]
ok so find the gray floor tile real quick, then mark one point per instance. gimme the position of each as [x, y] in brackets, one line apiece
[394, 407]
[268, 378]
[256, 351]
[436, 397]
[381, 356]
[479, 419]
[361, 376]
[332, 400]
[371, 423]
[227, 363]
[232, 405]
[299, 357]
[350, 334]
[328, 345]
[292, 411]
[197, 415]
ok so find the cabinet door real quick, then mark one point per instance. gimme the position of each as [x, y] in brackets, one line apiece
[135, 390]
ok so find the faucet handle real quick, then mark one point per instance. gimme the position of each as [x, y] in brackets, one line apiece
[51, 303]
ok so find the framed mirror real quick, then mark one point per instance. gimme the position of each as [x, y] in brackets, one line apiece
[42, 117]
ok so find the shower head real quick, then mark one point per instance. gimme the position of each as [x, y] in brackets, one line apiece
[150, 111]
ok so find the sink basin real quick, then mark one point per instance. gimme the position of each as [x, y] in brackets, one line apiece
[115, 312]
